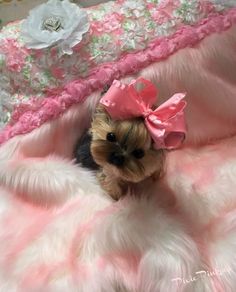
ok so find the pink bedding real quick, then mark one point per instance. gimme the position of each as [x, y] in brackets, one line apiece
[61, 232]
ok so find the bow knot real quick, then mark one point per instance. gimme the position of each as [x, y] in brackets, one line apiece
[147, 113]
[165, 124]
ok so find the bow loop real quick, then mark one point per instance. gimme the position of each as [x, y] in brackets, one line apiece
[145, 92]
[165, 124]
[171, 107]
[170, 117]
[121, 101]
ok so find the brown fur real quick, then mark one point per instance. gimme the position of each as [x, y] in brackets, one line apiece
[130, 135]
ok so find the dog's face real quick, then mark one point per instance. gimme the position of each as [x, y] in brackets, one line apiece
[124, 148]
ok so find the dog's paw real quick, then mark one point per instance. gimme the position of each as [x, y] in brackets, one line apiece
[112, 186]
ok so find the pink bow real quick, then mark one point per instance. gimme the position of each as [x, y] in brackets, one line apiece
[166, 123]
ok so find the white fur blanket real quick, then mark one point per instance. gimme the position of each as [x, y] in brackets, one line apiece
[60, 232]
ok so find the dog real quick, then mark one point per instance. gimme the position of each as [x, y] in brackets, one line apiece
[125, 152]
[129, 137]
[145, 247]
[121, 152]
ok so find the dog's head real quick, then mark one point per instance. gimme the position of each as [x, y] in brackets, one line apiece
[124, 148]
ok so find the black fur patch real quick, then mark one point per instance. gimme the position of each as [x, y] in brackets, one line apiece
[105, 89]
[83, 154]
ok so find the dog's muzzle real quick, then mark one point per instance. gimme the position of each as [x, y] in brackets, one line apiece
[116, 159]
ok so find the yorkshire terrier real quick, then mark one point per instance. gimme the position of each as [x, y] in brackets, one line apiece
[124, 151]
[127, 138]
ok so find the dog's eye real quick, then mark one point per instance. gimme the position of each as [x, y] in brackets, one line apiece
[111, 137]
[138, 153]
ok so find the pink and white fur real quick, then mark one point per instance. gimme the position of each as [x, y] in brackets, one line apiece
[60, 232]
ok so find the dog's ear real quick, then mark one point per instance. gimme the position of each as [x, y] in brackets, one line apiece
[101, 123]
[101, 114]
[100, 109]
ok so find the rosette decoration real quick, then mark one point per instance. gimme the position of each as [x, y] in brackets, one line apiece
[61, 24]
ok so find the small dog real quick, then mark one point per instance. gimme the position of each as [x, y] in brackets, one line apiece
[127, 139]
[124, 151]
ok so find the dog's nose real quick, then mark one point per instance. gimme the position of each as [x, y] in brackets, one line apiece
[116, 159]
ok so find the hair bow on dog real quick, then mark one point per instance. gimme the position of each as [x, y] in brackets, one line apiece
[165, 124]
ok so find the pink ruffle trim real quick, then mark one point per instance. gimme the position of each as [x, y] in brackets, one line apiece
[27, 117]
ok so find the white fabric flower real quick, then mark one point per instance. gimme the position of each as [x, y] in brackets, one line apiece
[55, 23]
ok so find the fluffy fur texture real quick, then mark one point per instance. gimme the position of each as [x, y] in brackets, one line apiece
[124, 150]
[180, 238]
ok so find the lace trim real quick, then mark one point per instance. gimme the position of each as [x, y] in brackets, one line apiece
[27, 117]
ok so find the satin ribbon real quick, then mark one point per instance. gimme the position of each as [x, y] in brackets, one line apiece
[166, 124]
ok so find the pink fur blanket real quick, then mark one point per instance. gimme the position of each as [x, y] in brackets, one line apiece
[61, 232]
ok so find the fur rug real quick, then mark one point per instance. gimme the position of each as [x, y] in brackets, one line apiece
[60, 232]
